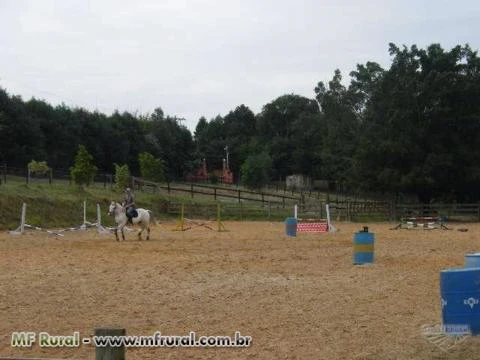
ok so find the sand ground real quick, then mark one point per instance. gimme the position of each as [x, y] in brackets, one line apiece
[298, 298]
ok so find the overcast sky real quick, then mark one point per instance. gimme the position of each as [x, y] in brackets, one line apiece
[198, 58]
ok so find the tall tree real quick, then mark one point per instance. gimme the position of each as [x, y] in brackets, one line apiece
[210, 138]
[422, 125]
[240, 127]
[21, 138]
[256, 170]
[151, 168]
[339, 106]
[276, 126]
[172, 142]
[83, 170]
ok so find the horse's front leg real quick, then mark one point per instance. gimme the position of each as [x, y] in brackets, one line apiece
[123, 233]
[140, 233]
[116, 234]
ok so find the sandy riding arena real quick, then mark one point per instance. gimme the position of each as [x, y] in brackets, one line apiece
[298, 298]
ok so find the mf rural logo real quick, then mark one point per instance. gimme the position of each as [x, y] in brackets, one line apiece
[445, 337]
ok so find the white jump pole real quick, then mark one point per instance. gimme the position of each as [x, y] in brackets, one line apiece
[295, 211]
[100, 228]
[84, 225]
[331, 228]
[21, 229]
[99, 215]
[24, 215]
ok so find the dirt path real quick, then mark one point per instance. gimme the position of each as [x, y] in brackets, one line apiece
[298, 298]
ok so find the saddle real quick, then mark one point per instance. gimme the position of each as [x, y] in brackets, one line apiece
[131, 212]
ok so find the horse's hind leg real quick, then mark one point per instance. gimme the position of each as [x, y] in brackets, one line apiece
[116, 234]
[148, 233]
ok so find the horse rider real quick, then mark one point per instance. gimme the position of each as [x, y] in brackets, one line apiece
[129, 205]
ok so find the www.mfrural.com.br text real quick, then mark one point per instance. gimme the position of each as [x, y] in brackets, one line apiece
[23, 339]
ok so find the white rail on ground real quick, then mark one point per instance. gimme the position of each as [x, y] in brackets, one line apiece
[85, 225]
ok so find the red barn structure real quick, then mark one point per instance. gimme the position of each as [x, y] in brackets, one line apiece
[225, 176]
[199, 175]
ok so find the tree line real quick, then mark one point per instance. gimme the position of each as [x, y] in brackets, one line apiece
[412, 128]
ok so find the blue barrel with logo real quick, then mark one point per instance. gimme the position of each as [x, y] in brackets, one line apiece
[460, 292]
[363, 246]
[291, 226]
[472, 260]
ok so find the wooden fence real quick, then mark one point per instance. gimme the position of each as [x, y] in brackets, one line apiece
[391, 211]
[312, 205]
[276, 203]
[218, 192]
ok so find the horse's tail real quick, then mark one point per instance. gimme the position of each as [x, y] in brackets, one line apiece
[152, 217]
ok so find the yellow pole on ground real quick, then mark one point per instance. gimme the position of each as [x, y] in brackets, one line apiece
[220, 227]
[181, 223]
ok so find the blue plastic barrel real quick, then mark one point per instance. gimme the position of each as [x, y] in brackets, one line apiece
[472, 260]
[460, 292]
[363, 246]
[291, 226]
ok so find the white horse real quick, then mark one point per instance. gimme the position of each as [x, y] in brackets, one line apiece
[143, 218]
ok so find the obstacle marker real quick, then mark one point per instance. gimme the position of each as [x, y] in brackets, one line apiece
[23, 225]
[315, 226]
[100, 228]
[312, 227]
[220, 226]
[86, 224]
[291, 227]
[421, 222]
[363, 247]
[21, 229]
[185, 224]
[181, 222]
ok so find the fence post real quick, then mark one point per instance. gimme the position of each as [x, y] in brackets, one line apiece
[215, 193]
[109, 352]
[239, 196]
[4, 173]
[191, 189]
[348, 211]
[393, 216]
